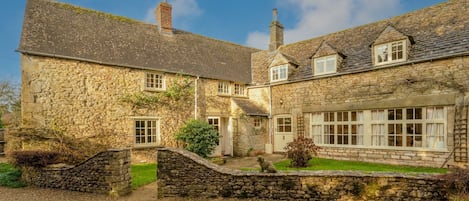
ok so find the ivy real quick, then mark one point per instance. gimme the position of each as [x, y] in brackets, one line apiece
[179, 93]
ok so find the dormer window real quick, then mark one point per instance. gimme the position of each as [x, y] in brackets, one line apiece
[390, 52]
[325, 65]
[279, 73]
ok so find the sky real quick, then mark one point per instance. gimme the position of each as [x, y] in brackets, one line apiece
[244, 22]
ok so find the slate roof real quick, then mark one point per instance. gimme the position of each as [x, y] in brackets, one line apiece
[250, 108]
[65, 31]
[438, 31]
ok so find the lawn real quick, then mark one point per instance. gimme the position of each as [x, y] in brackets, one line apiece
[330, 164]
[143, 174]
[10, 176]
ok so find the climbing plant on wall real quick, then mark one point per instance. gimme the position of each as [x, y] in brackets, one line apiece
[175, 102]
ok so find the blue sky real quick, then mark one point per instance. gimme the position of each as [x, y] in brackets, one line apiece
[244, 22]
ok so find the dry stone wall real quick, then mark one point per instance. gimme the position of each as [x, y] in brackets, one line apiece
[2, 141]
[106, 173]
[184, 174]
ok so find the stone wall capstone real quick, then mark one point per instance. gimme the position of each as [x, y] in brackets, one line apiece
[184, 174]
[107, 172]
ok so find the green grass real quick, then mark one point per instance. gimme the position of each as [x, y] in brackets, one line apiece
[10, 176]
[143, 174]
[330, 164]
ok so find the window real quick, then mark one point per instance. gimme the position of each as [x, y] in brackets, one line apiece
[279, 73]
[283, 125]
[416, 127]
[239, 89]
[435, 127]
[154, 81]
[325, 65]
[223, 88]
[215, 122]
[337, 128]
[257, 122]
[390, 52]
[147, 131]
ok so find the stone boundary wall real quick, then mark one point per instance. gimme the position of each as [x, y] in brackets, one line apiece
[107, 172]
[2, 141]
[184, 174]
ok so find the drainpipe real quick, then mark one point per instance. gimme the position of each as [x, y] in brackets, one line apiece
[270, 119]
[196, 97]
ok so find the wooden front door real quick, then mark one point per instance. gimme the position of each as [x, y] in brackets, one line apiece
[283, 132]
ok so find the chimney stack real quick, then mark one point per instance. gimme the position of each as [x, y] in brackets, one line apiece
[276, 32]
[164, 18]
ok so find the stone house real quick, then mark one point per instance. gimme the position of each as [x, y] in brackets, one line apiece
[393, 91]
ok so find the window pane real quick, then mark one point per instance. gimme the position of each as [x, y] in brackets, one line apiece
[319, 68]
[382, 53]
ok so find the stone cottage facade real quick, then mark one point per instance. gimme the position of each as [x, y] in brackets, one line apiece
[393, 91]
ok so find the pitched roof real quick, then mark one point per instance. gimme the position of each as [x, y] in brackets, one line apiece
[438, 31]
[250, 108]
[65, 31]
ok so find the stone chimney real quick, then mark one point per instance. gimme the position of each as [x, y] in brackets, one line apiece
[164, 18]
[276, 32]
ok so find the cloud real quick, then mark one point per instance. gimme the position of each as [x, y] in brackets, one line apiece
[320, 17]
[258, 39]
[183, 12]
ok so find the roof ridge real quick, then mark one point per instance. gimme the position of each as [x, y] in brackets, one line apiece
[81, 10]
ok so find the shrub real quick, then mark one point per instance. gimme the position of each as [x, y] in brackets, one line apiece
[10, 176]
[199, 136]
[300, 151]
[35, 158]
[457, 181]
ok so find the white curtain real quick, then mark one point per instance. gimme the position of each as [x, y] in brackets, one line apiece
[435, 130]
[378, 129]
[316, 128]
[360, 128]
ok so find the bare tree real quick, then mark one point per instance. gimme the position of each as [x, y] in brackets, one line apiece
[9, 101]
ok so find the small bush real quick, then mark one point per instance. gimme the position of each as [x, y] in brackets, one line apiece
[199, 136]
[10, 176]
[35, 158]
[300, 151]
[457, 181]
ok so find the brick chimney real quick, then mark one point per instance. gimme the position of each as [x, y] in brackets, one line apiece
[163, 17]
[276, 32]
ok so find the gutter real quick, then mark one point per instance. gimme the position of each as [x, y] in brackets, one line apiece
[461, 54]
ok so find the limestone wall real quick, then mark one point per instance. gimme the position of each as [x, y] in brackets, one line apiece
[2, 141]
[84, 100]
[436, 83]
[106, 173]
[184, 174]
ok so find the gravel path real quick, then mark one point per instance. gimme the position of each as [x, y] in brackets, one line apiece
[145, 193]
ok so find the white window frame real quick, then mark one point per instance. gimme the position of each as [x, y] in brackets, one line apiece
[325, 127]
[322, 62]
[239, 89]
[155, 81]
[142, 133]
[283, 125]
[257, 122]
[391, 50]
[224, 87]
[279, 73]
[376, 125]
